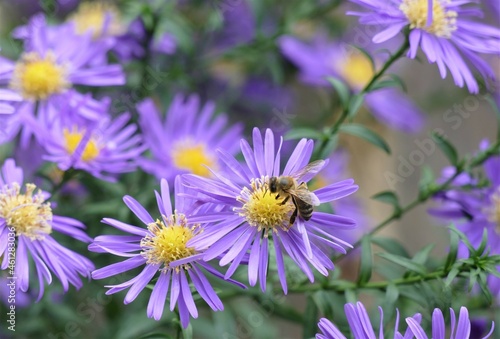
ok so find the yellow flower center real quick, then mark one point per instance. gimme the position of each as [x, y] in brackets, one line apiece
[494, 210]
[356, 69]
[443, 21]
[37, 77]
[193, 157]
[261, 208]
[26, 213]
[98, 18]
[168, 242]
[74, 137]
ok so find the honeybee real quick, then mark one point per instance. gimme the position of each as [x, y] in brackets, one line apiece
[287, 186]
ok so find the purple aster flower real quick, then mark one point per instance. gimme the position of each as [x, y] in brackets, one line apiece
[52, 62]
[445, 30]
[186, 140]
[252, 214]
[474, 211]
[103, 148]
[163, 252]
[26, 222]
[461, 331]
[360, 325]
[322, 58]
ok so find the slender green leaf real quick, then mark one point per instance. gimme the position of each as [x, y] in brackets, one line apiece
[451, 276]
[422, 255]
[366, 266]
[388, 197]
[391, 246]
[447, 148]
[362, 132]
[342, 90]
[355, 104]
[404, 262]
[303, 132]
[452, 254]
[310, 318]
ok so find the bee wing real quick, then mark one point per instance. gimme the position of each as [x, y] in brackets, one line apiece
[306, 196]
[311, 168]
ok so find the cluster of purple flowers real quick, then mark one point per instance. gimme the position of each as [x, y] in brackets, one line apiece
[227, 215]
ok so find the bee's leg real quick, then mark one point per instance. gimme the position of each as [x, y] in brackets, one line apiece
[285, 200]
[277, 196]
[294, 214]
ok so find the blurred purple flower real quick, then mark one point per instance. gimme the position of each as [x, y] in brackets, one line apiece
[26, 222]
[52, 62]
[161, 248]
[445, 31]
[321, 58]
[252, 213]
[104, 148]
[474, 211]
[185, 142]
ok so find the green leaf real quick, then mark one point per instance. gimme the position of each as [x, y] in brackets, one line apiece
[310, 319]
[404, 262]
[331, 145]
[391, 294]
[350, 296]
[324, 302]
[391, 246]
[366, 266]
[446, 147]
[342, 90]
[388, 197]
[387, 83]
[355, 104]
[422, 255]
[484, 243]
[303, 132]
[463, 237]
[483, 285]
[452, 254]
[362, 132]
[451, 276]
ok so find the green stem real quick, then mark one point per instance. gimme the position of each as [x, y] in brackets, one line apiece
[342, 286]
[346, 111]
[424, 196]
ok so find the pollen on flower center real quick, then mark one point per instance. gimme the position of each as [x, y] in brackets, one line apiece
[443, 21]
[356, 69]
[26, 213]
[38, 77]
[193, 157]
[98, 18]
[73, 138]
[167, 242]
[261, 208]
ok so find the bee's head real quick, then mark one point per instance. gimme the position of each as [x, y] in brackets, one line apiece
[273, 184]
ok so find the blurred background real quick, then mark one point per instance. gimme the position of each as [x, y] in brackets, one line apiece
[231, 52]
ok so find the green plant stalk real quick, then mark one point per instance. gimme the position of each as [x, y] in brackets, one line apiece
[398, 213]
[342, 286]
[345, 112]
